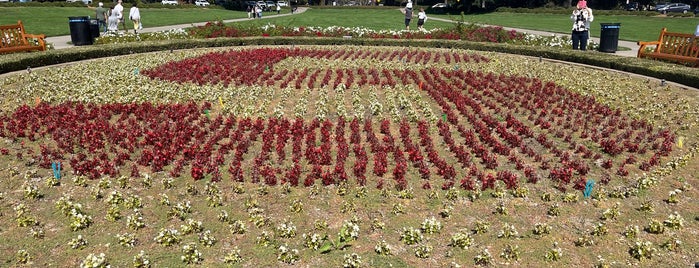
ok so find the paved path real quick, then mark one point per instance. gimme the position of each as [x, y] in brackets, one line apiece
[621, 43]
[62, 42]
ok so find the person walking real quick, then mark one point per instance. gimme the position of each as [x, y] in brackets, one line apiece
[101, 14]
[421, 18]
[119, 10]
[112, 21]
[279, 9]
[135, 17]
[249, 10]
[408, 14]
[258, 11]
[581, 17]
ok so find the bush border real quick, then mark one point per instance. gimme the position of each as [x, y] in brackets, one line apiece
[661, 70]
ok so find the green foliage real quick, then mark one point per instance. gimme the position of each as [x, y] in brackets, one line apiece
[411, 236]
[642, 250]
[461, 239]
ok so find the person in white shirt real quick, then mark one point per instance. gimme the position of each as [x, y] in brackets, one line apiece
[135, 17]
[581, 17]
[421, 18]
[112, 21]
[119, 10]
[696, 32]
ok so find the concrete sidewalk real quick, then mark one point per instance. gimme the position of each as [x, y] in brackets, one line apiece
[63, 42]
[621, 43]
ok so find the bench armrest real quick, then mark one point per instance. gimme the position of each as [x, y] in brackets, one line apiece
[40, 39]
[643, 44]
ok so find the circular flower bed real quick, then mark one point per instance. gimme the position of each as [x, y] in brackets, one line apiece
[312, 118]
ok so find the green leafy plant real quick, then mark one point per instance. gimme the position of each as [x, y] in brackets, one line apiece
[483, 258]
[351, 260]
[237, 227]
[22, 257]
[286, 255]
[461, 239]
[141, 260]
[286, 229]
[423, 251]
[631, 231]
[382, 248]
[554, 254]
[207, 239]
[127, 239]
[411, 236]
[541, 229]
[314, 241]
[481, 227]
[168, 237]
[674, 221]
[554, 210]
[600, 229]
[508, 231]
[642, 250]
[78, 243]
[655, 227]
[233, 257]
[190, 254]
[431, 226]
[95, 261]
[510, 253]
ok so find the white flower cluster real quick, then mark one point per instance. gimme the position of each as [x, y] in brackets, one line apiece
[190, 254]
[167, 237]
[431, 226]
[287, 255]
[286, 230]
[349, 231]
[95, 261]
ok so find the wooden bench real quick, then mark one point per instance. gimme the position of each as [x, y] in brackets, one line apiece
[14, 39]
[676, 47]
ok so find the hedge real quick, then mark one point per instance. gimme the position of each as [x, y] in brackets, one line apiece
[668, 71]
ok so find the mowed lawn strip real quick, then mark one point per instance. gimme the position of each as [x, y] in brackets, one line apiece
[375, 19]
[633, 28]
[53, 21]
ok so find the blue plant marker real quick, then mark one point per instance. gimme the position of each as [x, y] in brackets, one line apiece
[588, 188]
[456, 67]
[135, 71]
[56, 167]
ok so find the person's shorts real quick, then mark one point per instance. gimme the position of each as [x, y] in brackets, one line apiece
[407, 22]
[420, 22]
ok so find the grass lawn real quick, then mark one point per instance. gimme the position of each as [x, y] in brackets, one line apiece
[376, 19]
[53, 21]
[633, 28]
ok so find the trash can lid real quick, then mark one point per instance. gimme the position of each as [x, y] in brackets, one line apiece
[78, 19]
[611, 25]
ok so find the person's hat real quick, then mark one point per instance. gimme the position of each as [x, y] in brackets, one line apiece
[100, 4]
[582, 4]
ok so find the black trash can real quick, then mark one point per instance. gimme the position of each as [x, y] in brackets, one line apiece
[94, 29]
[80, 31]
[609, 37]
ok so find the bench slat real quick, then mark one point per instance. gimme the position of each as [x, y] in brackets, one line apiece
[14, 39]
[678, 47]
